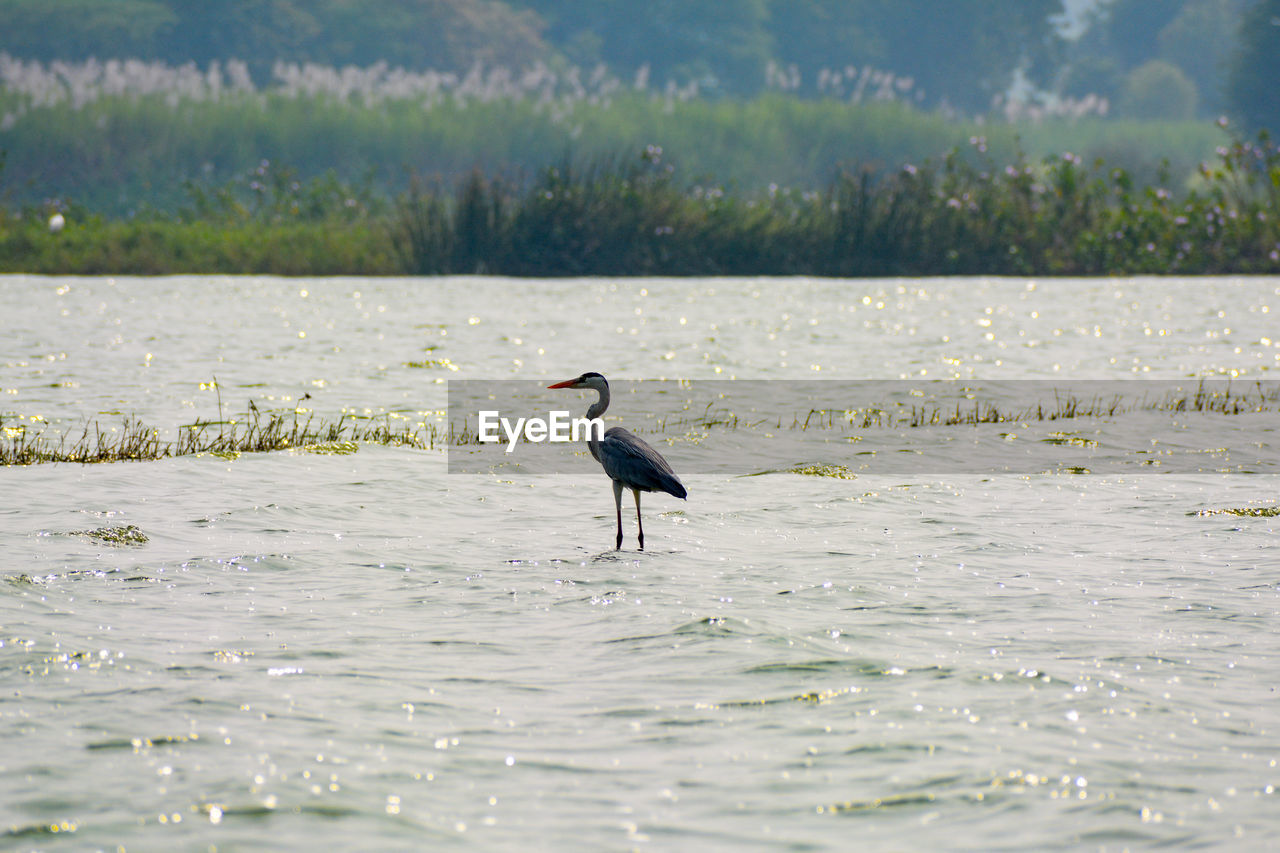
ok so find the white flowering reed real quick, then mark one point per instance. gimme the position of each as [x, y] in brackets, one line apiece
[27, 85]
[850, 83]
[32, 85]
[81, 83]
[1019, 110]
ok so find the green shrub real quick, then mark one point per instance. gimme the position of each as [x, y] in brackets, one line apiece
[1157, 90]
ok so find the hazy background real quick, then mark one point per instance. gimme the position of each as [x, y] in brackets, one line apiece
[1152, 58]
[746, 92]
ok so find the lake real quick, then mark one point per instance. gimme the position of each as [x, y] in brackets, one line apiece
[1016, 634]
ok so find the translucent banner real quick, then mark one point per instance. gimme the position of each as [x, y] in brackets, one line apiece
[879, 427]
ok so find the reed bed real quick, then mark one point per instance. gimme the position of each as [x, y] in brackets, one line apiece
[1253, 399]
[255, 432]
[259, 432]
[122, 136]
[32, 84]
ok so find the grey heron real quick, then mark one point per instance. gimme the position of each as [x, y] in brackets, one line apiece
[629, 461]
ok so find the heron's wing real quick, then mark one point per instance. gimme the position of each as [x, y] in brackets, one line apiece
[636, 465]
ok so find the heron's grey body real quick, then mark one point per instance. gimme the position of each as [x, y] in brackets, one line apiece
[628, 460]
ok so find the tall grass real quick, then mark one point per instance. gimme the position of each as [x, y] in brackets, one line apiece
[121, 136]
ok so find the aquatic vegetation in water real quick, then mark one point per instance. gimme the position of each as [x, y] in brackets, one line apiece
[838, 472]
[259, 432]
[1239, 399]
[138, 744]
[73, 574]
[255, 432]
[892, 801]
[331, 448]
[128, 534]
[429, 363]
[20, 445]
[1069, 439]
[1242, 512]
[66, 827]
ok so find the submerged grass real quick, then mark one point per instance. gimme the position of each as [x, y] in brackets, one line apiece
[257, 432]
[1241, 511]
[1252, 399]
[122, 536]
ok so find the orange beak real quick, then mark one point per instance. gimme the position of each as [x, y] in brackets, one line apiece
[568, 383]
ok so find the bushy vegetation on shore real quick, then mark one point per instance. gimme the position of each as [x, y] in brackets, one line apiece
[964, 215]
[968, 213]
[159, 169]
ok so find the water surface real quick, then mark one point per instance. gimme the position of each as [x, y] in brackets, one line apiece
[356, 651]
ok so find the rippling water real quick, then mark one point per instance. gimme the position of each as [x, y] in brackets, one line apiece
[362, 650]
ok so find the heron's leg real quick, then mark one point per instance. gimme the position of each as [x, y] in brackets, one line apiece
[639, 523]
[617, 502]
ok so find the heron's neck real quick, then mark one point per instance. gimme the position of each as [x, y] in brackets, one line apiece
[594, 411]
[598, 407]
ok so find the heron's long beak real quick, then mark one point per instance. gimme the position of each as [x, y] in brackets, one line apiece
[568, 383]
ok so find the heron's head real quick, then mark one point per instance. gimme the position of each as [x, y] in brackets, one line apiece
[587, 380]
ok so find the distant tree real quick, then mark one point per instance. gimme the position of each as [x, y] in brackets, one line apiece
[967, 51]
[1119, 35]
[1196, 36]
[1129, 29]
[1253, 93]
[1200, 40]
[818, 35]
[442, 34]
[1092, 75]
[964, 50]
[1158, 90]
[724, 43]
[78, 29]
[256, 31]
[447, 35]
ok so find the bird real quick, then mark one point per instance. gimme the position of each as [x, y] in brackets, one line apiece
[628, 460]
